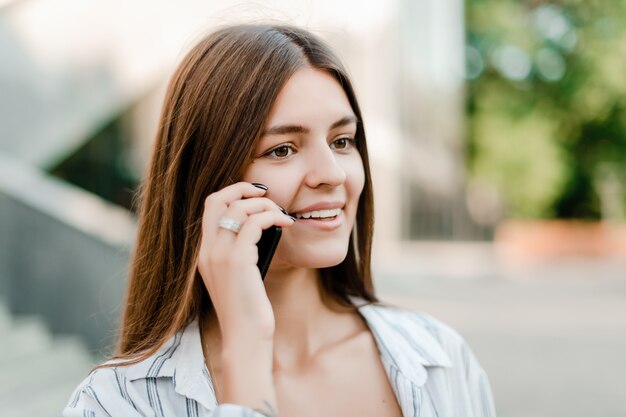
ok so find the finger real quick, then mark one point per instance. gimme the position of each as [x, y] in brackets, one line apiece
[252, 229]
[216, 203]
[241, 210]
[220, 200]
[235, 192]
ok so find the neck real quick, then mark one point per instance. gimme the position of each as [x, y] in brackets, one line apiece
[307, 323]
[304, 323]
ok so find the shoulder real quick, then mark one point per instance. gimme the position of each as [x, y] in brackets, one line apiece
[408, 320]
[124, 385]
[415, 341]
[435, 341]
[103, 390]
[419, 318]
[448, 337]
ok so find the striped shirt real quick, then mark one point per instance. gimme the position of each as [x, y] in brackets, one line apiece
[432, 372]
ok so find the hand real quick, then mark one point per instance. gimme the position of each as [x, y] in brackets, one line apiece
[227, 260]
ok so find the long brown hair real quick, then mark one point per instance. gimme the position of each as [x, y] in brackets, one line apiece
[215, 109]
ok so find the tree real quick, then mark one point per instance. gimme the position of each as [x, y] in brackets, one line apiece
[546, 105]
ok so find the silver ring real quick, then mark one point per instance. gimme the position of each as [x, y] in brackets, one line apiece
[229, 224]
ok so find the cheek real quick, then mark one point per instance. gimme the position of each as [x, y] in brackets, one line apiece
[281, 183]
[252, 172]
[259, 172]
[356, 176]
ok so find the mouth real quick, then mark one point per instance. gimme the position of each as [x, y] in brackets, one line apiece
[320, 215]
[321, 220]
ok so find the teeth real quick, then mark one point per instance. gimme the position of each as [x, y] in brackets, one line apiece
[319, 214]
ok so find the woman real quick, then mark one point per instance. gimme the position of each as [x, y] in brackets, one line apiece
[261, 127]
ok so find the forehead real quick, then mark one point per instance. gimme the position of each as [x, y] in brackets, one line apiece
[310, 96]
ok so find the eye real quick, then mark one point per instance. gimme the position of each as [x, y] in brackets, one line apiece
[280, 152]
[343, 143]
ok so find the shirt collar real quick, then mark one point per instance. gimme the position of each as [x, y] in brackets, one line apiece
[406, 341]
[182, 359]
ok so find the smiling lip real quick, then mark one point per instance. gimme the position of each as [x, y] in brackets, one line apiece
[322, 224]
[325, 205]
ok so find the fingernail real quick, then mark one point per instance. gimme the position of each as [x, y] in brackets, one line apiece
[283, 210]
[259, 185]
[292, 218]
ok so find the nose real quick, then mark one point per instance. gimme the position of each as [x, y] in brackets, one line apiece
[324, 168]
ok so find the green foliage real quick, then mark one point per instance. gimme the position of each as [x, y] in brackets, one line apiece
[547, 103]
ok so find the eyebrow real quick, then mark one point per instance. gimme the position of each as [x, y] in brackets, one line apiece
[287, 129]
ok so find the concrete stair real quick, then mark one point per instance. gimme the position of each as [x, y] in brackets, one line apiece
[38, 372]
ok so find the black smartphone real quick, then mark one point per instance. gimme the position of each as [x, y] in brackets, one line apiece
[267, 246]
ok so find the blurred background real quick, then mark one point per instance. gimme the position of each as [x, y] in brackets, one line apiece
[497, 130]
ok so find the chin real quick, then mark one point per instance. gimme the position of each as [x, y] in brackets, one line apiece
[324, 257]
[325, 262]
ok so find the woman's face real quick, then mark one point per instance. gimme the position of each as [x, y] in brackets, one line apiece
[308, 159]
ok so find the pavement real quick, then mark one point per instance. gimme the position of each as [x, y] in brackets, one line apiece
[551, 335]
